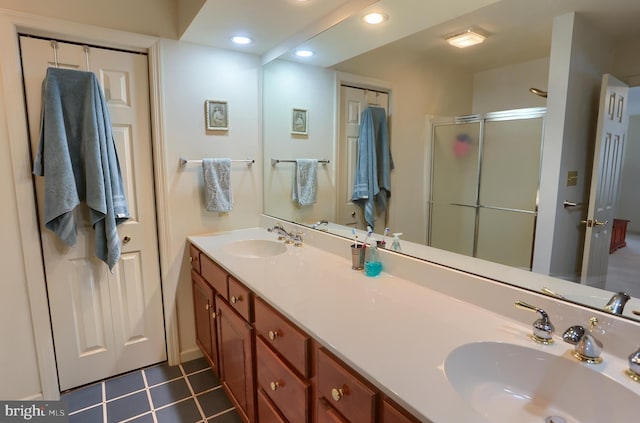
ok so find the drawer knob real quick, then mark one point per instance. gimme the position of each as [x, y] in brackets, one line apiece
[337, 394]
[213, 314]
[273, 334]
[207, 306]
[190, 259]
[235, 299]
[274, 386]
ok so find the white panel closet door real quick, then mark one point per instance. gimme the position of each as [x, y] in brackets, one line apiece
[103, 323]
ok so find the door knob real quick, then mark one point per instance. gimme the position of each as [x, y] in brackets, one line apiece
[353, 214]
[126, 239]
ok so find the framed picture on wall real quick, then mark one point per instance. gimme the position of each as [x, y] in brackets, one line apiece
[299, 122]
[216, 115]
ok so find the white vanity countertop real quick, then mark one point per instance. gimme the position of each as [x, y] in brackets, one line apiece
[394, 332]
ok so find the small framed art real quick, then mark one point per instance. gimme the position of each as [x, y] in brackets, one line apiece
[216, 115]
[299, 122]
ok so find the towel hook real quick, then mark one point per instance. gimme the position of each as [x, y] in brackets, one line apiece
[54, 46]
[86, 56]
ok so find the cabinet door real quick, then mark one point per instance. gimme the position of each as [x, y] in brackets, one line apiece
[392, 414]
[327, 414]
[267, 412]
[203, 305]
[235, 342]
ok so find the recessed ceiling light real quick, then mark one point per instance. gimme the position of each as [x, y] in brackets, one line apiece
[375, 18]
[466, 39]
[241, 39]
[304, 53]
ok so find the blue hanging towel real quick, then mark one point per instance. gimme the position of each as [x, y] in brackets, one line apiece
[78, 158]
[372, 182]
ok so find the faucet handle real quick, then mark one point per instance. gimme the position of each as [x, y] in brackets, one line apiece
[542, 327]
[634, 366]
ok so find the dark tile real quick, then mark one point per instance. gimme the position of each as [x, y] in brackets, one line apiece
[203, 381]
[161, 373]
[183, 412]
[229, 417]
[91, 415]
[214, 402]
[124, 384]
[145, 418]
[170, 392]
[195, 365]
[83, 397]
[127, 407]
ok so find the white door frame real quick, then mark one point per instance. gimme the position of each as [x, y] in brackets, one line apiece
[11, 23]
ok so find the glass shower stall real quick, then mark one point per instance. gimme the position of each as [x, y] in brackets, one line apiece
[485, 173]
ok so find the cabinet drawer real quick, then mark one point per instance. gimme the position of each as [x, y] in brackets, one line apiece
[393, 414]
[285, 389]
[283, 336]
[194, 258]
[267, 412]
[240, 298]
[344, 391]
[214, 274]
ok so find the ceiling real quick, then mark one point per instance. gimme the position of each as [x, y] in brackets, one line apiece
[518, 30]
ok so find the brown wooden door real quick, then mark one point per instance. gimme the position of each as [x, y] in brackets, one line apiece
[236, 358]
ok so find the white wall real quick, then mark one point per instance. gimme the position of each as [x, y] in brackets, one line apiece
[579, 57]
[629, 206]
[289, 85]
[507, 87]
[149, 17]
[192, 74]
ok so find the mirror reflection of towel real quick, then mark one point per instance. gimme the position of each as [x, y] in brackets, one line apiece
[217, 184]
[305, 182]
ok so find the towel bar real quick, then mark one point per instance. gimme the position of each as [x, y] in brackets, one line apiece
[185, 162]
[276, 161]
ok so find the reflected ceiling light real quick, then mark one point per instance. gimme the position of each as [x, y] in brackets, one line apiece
[304, 53]
[466, 39]
[241, 39]
[375, 18]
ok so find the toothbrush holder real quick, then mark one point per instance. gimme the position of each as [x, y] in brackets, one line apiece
[357, 256]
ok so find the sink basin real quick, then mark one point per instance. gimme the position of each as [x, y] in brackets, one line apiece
[511, 383]
[255, 248]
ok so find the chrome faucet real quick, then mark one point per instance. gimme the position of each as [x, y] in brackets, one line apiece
[283, 235]
[587, 347]
[634, 366]
[542, 327]
[617, 302]
[317, 224]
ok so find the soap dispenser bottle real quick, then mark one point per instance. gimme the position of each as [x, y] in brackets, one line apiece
[372, 265]
[395, 245]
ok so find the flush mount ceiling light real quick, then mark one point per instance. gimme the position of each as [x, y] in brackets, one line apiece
[375, 18]
[304, 53]
[466, 39]
[241, 39]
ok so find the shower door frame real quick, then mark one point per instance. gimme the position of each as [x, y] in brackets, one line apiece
[514, 114]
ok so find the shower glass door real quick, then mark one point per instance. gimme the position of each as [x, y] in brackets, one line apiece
[485, 172]
[454, 187]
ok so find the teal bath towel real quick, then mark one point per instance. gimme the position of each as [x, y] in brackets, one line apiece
[372, 181]
[79, 162]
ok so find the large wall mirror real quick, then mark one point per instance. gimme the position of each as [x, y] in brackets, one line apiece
[427, 88]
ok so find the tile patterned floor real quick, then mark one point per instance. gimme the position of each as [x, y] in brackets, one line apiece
[188, 393]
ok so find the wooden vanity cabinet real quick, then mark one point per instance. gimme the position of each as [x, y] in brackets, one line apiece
[272, 370]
